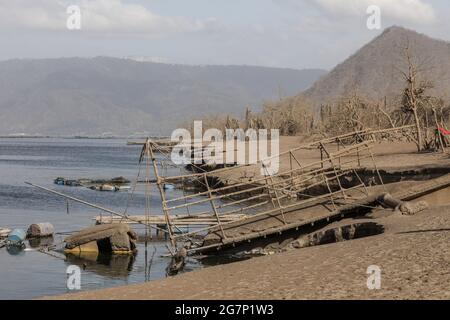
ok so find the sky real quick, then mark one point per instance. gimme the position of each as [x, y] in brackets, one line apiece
[276, 33]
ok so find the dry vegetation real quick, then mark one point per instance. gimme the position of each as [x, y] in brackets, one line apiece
[414, 105]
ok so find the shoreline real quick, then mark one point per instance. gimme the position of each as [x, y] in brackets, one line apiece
[413, 255]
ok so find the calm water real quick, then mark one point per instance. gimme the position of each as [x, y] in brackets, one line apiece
[30, 273]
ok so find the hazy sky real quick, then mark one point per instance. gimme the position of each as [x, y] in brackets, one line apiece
[281, 33]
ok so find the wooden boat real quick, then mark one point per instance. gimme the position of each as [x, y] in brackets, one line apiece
[104, 187]
[110, 187]
[123, 188]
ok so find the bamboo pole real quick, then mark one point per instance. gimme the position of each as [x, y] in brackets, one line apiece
[330, 158]
[357, 147]
[88, 204]
[276, 195]
[287, 208]
[329, 190]
[283, 189]
[166, 211]
[254, 181]
[360, 180]
[244, 191]
[290, 164]
[378, 172]
[303, 146]
[213, 206]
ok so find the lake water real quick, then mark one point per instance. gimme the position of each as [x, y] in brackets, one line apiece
[30, 273]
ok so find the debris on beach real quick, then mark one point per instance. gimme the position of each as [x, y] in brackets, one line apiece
[405, 207]
[4, 232]
[114, 238]
[85, 181]
[67, 182]
[177, 262]
[114, 184]
[109, 187]
[16, 239]
[39, 235]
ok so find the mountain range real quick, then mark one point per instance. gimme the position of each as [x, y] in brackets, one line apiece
[95, 96]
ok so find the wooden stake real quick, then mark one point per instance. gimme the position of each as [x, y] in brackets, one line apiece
[161, 193]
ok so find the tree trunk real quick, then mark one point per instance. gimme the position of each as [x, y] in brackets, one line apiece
[419, 132]
[441, 143]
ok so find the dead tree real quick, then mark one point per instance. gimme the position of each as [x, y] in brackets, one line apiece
[413, 95]
[385, 112]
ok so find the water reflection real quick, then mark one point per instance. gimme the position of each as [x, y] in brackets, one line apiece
[32, 273]
[15, 250]
[37, 243]
[117, 266]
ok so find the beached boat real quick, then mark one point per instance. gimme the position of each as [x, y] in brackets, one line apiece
[123, 188]
[114, 184]
[103, 187]
[110, 187]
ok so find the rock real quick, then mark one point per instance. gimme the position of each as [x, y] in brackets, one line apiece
[338, 235]
[411, 208]
[302, 242]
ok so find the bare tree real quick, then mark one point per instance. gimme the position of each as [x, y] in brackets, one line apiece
[413, 95]
[384, 111]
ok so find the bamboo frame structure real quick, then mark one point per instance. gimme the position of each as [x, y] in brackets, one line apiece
[332, 180]
[340, 157]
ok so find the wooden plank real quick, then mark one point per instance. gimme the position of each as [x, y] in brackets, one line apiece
[425, 188]
[176, 220]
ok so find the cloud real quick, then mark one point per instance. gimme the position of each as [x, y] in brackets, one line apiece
[103, 16]
[416, 11]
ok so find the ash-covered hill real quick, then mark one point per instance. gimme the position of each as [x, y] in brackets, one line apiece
[374, 70]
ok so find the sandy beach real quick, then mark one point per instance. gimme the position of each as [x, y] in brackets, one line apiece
[413, 254]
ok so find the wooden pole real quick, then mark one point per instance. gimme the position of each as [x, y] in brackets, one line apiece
[258, 187]
[290, 164]
[213, 206]
[162, 195]
[287, 208]
[88, 204]
[329, 190]
[276, 195]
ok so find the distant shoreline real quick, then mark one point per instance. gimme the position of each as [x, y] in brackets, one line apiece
[79, 137]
